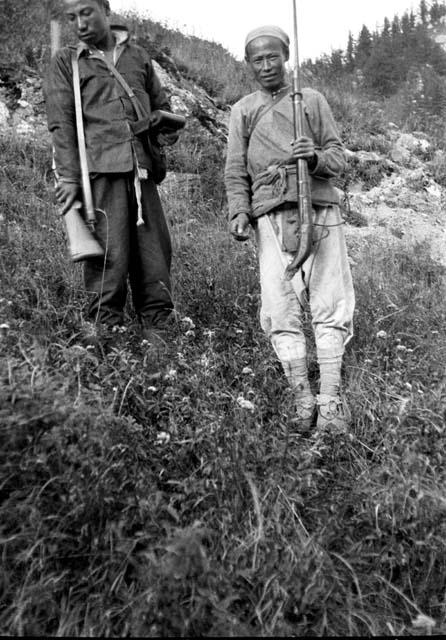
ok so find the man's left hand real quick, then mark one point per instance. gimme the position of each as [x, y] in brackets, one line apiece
[303, 148]
[167, 139]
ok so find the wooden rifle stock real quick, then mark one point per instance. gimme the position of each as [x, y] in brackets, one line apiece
[305, 219]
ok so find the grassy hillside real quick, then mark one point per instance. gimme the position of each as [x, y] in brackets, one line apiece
[167, 494]
[139, 497]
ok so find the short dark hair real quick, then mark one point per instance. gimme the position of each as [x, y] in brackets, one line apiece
[105, 4]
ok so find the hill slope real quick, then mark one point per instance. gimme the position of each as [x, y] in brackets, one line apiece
[146, 493]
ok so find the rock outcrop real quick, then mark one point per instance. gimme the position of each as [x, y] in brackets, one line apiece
[407, 206]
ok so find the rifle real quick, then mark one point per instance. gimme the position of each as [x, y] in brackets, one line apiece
[81, 242]
[305, 220]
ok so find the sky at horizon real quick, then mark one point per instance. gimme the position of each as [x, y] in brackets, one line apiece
[323, 25]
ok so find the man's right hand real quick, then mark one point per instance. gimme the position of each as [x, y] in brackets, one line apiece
[66, 194]
[239, 227]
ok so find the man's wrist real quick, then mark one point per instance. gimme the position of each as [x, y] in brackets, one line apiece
[69, 180]
[239, 213]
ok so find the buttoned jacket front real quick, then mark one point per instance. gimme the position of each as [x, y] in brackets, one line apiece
[107, 110]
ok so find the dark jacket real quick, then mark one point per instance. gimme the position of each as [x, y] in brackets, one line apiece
[106, 108]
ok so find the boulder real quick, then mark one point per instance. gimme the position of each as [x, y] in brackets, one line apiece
[407, 144]
[194, 102]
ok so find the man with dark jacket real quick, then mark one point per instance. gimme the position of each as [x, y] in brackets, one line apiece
[130, 221]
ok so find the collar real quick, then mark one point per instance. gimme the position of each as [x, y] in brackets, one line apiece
[120, 34]
[277, 94]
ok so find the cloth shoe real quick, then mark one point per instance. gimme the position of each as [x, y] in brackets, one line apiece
[331, 415]
[305, 414]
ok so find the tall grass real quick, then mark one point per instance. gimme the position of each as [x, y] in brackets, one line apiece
[205, 62]
[138, 497]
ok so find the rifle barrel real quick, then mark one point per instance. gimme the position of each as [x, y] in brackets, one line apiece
[302, 176]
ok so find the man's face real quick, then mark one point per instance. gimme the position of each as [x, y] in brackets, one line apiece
[266, 57]
[89, 18]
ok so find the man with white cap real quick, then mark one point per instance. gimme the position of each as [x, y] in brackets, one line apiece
[261, 185]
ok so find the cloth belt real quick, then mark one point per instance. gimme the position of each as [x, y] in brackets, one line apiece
[273, 187]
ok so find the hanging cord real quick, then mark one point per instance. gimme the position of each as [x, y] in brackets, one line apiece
[104, 265]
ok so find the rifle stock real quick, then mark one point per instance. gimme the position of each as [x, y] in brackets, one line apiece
[82, 244]
[305, 218]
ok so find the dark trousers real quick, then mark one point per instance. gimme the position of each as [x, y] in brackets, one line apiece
[140, 253]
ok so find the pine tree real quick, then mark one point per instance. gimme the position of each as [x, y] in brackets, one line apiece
[386, 29]
[350, 54]
[363, 47]
[435, 12]
[423, 13]
[337, 62]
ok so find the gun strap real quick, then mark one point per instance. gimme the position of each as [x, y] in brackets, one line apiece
[129, 91]
[86, 186]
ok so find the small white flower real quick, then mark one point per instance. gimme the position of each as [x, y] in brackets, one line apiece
[401, 348]
[171, 374]
[204, 361]
[381, 335]
[145, 343]
[245, 404]
[152, 389]
[189, 322]
[239, 331]
[423, 622]
[247, 372]
[368, 361]
[4, 328]
[163, 438]
[408, 386]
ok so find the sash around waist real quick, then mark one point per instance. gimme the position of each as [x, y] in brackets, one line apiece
[278, 185]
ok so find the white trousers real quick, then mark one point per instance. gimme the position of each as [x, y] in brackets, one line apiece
[325, 278]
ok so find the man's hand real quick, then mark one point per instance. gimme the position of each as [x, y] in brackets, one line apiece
[239, 227]
[303, 148]
[66, 194]
[167, 139]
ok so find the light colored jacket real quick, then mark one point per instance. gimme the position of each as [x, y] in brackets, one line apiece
[259, 173]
